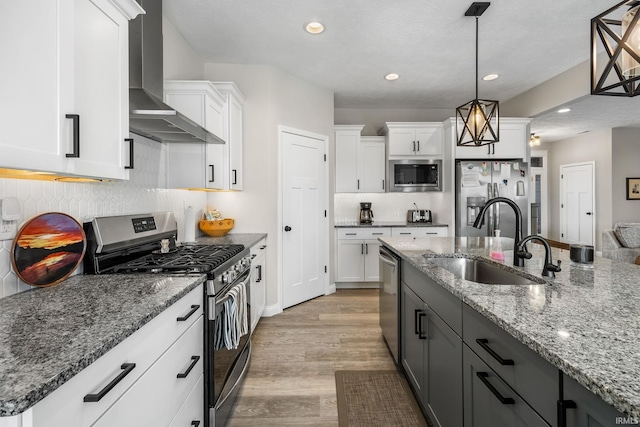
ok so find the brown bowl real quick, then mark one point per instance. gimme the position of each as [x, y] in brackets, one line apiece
[216, 228]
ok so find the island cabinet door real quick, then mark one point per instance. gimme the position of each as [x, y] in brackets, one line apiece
[581, 408]
[413, 349]
[489, 401]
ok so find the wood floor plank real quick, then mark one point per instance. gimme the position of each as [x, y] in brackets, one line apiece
[291, 379]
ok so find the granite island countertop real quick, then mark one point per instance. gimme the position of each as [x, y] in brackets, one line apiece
[48, 335]
[585, 321]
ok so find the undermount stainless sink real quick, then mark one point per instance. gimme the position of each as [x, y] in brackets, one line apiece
[480, 271]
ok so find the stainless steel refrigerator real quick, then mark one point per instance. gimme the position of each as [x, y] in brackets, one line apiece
[480, 180]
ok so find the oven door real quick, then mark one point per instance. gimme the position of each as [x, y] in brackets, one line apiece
[227, 366]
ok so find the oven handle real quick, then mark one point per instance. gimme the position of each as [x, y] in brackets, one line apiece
[246, 280]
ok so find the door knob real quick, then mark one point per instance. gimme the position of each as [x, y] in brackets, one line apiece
[588, 213]
[287, 228]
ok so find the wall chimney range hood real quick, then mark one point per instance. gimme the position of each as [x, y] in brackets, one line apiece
[148, 115]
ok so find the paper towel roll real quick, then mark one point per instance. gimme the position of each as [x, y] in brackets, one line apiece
[189, 225]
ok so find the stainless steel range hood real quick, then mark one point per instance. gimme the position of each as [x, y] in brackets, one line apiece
[148, 115]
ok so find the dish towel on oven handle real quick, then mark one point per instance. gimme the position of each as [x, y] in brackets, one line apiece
[233, 324]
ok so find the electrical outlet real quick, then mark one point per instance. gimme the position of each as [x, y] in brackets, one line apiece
[8, 229]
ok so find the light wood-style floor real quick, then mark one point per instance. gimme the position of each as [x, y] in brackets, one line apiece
[295, 355]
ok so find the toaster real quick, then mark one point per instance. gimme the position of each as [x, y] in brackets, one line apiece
[419, 215]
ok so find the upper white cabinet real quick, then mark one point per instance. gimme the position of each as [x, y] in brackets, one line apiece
[414, 139]
[65, 86]
[232, 133]
[217, 106]
[196, 165]
[360, 161]
[513, 144]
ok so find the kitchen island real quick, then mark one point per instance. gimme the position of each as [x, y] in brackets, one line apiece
[585, 321]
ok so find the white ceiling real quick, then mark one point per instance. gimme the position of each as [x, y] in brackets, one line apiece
[431, 44]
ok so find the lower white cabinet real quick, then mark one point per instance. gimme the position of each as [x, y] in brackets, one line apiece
[357, 253]
[440, 231]
[136, 382]
[258, 294]
[191, 414]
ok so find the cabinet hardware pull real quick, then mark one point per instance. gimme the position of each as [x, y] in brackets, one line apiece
[358, 184]
[195, 423]
[350, 234]
[366, 248]
[194, 360]
[504, 400]
[563, 405]
[130, 141]
[212, 174]
[405, 233]
[484, 343]
[431, 233]
[383, 184]
[259, 279]
[418, 147]
[126, 369]
[415, 321]
[263, 246]
[414, 146]
[377, 234]
[76, 135]
[235, 176]
[422, 335]
[361, 248]
[194, 308]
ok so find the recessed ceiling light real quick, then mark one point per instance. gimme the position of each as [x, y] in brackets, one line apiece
[314, 28]
[490, 77]
[564, 110]
[392, 76]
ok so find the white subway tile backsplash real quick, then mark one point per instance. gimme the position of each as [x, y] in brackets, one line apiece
[143, 192]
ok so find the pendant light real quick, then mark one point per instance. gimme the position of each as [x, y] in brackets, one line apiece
[620, 75]
[474, 119]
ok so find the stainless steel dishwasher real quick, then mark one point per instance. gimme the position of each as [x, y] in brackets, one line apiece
[389, 301]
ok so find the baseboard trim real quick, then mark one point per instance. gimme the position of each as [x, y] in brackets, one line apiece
[357, 285]
[272, 310]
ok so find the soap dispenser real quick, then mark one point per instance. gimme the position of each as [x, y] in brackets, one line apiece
[496, 247]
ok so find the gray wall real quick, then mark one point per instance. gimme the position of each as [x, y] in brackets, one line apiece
[273, 98]
[626, 161]
[592, 146]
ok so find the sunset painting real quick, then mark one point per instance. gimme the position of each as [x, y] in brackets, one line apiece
[48, 249]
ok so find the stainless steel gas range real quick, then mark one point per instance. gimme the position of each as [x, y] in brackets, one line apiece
[146, 243]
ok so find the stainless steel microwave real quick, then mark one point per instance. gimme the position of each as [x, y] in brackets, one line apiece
[415, 175]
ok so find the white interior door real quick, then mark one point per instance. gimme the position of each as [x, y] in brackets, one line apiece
[538, 194]
[304, 224]
[577, 203]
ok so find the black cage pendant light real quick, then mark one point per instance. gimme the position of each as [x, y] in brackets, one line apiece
[474, 119]
[619, 31]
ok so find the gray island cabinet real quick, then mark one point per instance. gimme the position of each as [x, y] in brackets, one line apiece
[481, 355]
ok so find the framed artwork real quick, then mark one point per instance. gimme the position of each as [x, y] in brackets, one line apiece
[633, 188]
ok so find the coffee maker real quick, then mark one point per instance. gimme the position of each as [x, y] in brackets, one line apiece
[366, 214]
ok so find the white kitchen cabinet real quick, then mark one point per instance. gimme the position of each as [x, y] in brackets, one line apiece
[137, 364]
[358, 253]
[258, 293]
[513, 144]
[407, 139]
[65, 86]
[196, 165]
[232, 132]
[360, 161]
[435, 231]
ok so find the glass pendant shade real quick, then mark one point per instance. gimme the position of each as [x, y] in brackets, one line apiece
[477, 122]
[618, 31]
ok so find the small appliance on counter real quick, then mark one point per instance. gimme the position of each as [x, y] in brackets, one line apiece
[419, 215]
[366, 214]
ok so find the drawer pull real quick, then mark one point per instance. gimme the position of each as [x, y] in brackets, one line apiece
[194, 360]
[504, 400]
[126, 369]
[405, 233]
[350, 234]
[194, 308]
[484, 343]
[195, 423]
[431, 233]
[377, 234]
[563, 405]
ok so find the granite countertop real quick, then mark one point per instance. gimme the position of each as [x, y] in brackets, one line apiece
[48, 335]
[389, 224]
[585, 321]
[246, 239]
